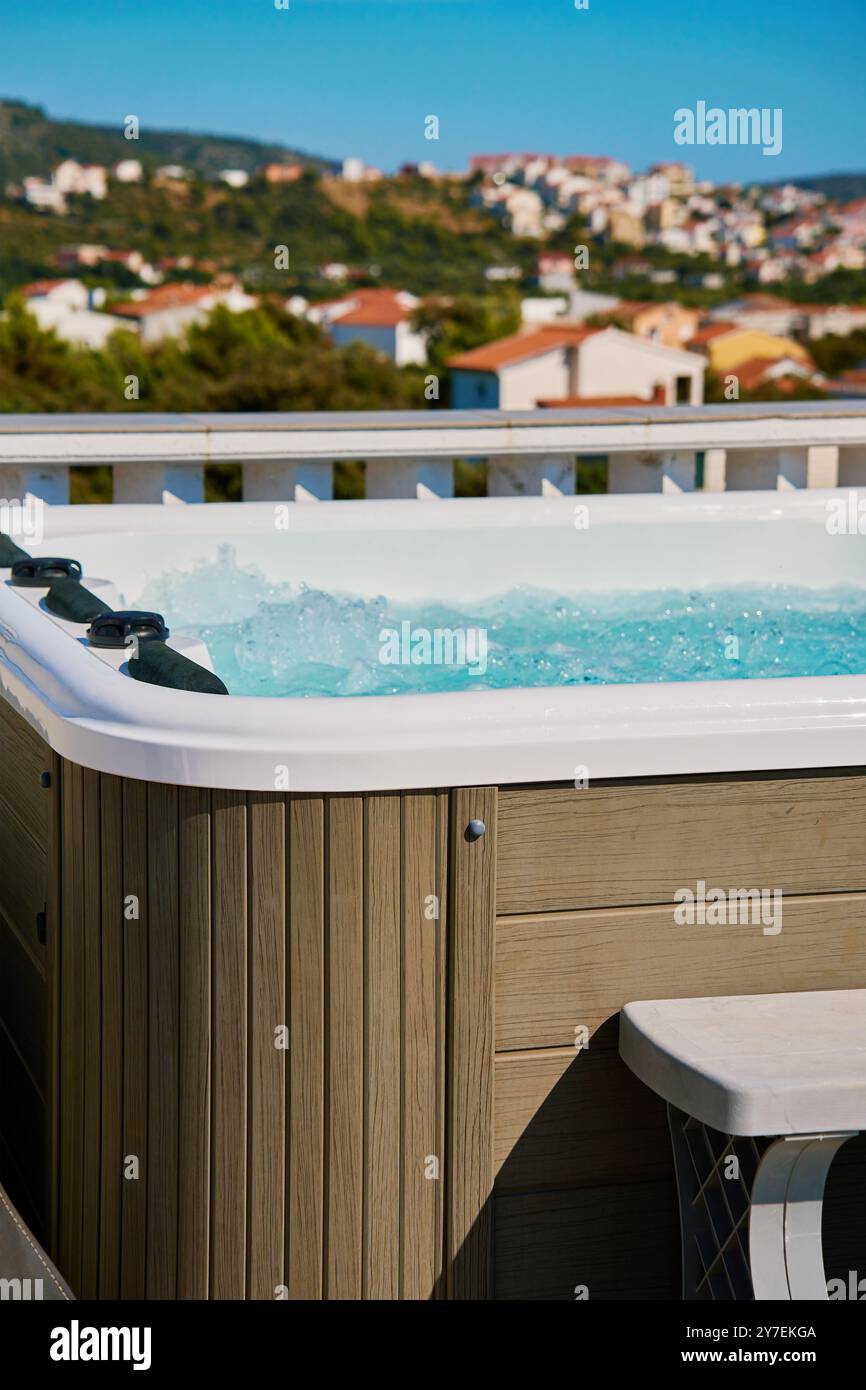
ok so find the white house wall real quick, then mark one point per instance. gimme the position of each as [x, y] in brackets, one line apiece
[611, 365]
[524, 384]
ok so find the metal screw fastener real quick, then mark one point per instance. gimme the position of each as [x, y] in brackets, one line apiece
[474, 830]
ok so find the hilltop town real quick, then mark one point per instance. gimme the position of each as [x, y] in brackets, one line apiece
[525, 279]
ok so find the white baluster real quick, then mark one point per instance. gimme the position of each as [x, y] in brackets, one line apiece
[422, 478]
[281, 480]
[159, 482]
[48, 482]
[715, 461]
[822, 469]
[531, 475]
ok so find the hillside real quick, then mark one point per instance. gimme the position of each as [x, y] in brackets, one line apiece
[402, 232]
[33, 143]
[839, 188]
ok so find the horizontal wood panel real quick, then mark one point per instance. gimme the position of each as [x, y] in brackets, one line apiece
[619, 1242]
[23, 1122]
[23, 883]
[555, 972]
[575, 1119]
[24, 1004]
[634, 843]
[23, 758]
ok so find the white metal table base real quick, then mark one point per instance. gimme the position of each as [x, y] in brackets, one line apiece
[750, 1211]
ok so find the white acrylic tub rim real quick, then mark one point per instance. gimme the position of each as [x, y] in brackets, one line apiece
[100, 719]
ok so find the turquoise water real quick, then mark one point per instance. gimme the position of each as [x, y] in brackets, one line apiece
[268, 639]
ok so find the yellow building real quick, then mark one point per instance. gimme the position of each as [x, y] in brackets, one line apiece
[728, 347]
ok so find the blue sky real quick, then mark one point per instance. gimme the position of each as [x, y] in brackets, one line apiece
[359, 76]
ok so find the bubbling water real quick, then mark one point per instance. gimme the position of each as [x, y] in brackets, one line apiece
[277, 639]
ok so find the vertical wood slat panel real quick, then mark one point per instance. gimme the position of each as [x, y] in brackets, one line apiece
[306, 1049]
[442, 823]
[194, 919]
[163, 1065]
[54, 966]
[135, 1026]
[229, 1098]
[92, 922]
[472, 874]
[345, 1047]
[266, 1176]
[111, 863]
[382, 1050]
[420, 1140]
[71, 1061]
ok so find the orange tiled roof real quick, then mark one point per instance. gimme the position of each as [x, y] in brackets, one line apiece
[713, 330]
[373, 308]
[39, 287]
[164, 297]
[519, 347]
[752, 373]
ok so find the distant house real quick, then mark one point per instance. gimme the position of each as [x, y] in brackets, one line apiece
[127, 171]
[170, 173]
[765, 312]
[782, 372]
[43, 194]
[840, 319]
[851, 217]
[72, 177]
[626, 228]
[381, 318]
[840, 254]
[728, 346]
[64, 306]
[86, 253]
[169, 310]
[668, 322]
[557, 363]
[235, 178]
[524, 212]
[555, 270]
[282, 173]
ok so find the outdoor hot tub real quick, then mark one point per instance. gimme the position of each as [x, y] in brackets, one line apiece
[312, 990]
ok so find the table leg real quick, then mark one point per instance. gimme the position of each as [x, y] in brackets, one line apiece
[785, 1252]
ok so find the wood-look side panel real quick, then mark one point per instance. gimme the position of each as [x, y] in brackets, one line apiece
[344, 1027]
[23, 883]
[442, 936]
[558, 971]
[636, 843]
[306, 1179]
[113, 924]
[135, 1041]
[23, 1134]
[194, 1133]
[382, 1052]
[267, 1062]
[422, 1155]
[163, 1065]
[92, 928]
[472, 873]
[575, 1119]
[24, 758]
[612, 1242]
[230, 1075]
[24, 1004]
[72, 1031]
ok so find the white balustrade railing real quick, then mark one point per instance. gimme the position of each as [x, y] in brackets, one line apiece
[290, 457]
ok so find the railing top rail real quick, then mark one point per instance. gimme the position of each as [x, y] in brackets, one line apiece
[293, 422]
[141, 438]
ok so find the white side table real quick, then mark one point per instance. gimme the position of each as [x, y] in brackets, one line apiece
[762, 1091]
